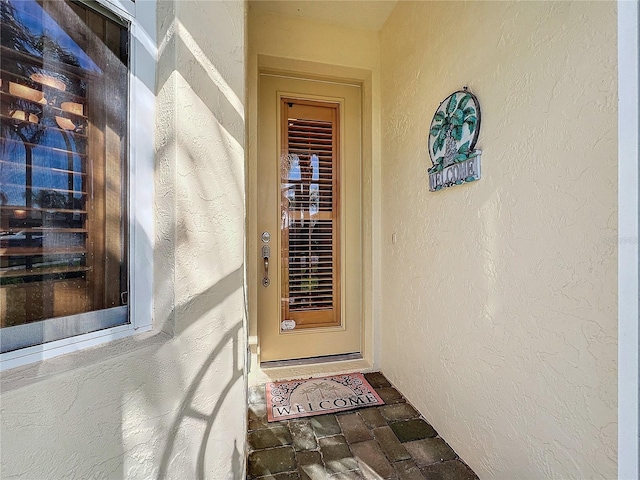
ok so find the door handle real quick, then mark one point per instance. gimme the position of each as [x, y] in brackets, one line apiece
[266, 254]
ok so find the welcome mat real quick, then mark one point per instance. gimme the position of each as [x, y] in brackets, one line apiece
[316, 396]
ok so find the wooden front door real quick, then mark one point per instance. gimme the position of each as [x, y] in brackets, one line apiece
[309, 301]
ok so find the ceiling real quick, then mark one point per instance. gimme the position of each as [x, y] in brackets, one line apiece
[362, 14]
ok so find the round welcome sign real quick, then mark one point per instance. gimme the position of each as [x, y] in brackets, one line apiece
[453, 134]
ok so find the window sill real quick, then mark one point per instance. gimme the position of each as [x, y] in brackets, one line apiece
[31, 356]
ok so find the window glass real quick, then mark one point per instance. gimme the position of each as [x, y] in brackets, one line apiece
[63, 172]
[310, 236]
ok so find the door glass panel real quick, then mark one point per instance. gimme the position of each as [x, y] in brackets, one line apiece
[309, 215]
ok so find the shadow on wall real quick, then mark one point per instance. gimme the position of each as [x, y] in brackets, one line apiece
[188, 410]
[110, 403]
[200, 200]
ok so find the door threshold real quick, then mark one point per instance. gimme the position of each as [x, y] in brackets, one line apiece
[311, 361]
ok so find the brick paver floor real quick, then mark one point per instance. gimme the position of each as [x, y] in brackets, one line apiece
[387, 442]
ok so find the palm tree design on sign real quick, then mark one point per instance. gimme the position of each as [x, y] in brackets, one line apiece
[457, 118]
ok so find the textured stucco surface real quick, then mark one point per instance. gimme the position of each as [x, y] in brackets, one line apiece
[499, 298]
[316, 49]
[170, 403]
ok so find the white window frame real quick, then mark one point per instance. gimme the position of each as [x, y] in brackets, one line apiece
[628, 253]
[141, 18]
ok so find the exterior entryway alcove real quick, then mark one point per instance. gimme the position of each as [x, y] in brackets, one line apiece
[499, 309]
[320, 71]
[498, 299]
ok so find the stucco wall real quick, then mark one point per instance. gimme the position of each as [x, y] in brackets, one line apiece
[499, 297]
[170, 403]
[320, 50]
